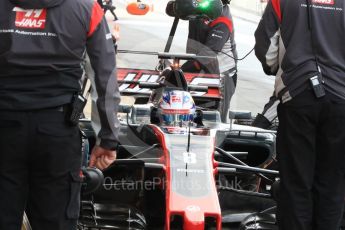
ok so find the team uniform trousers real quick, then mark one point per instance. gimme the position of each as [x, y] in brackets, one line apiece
[40, 161]
[311, 149]
[227, 89]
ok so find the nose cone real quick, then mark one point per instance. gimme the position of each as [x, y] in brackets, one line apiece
[194, 218]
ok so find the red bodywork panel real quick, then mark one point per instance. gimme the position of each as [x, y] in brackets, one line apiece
[140, 75]
[193, 204]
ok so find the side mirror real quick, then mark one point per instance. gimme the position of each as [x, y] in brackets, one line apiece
[244, 115]
[239, 115]
[138, 8]
[124, 108]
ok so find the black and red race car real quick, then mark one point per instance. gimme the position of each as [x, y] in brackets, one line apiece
[192, 175]
[203, 174]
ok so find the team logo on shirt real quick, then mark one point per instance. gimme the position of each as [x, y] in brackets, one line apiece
[30, 18]
[326, 2]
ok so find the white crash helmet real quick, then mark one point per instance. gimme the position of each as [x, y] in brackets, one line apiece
[176, 107]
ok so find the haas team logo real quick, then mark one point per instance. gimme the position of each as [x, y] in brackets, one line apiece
[30, 18]
[327, 2]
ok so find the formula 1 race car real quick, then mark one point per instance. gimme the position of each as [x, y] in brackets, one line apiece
[178, 166]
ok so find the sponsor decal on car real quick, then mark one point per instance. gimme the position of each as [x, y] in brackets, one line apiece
[189, 158]
[191, 171]
[129, 79]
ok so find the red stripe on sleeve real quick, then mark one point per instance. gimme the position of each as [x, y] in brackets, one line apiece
[96, 18]
[276, 7]
[224, 20]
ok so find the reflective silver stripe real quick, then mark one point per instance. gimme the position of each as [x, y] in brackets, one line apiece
[271, 113]
[282, 50]
[279, 84]
[286, 97]
[272, 52]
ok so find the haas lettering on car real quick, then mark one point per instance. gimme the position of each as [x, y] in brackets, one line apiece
[327, 2]
[30, 18]
[139, 78]
[130, 78]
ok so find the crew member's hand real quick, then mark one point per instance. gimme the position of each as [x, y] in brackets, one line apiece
[102, 158]
[116, 32]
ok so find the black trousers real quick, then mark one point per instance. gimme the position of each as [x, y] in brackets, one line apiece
[111, 8]
[311, 150]
[40, 161]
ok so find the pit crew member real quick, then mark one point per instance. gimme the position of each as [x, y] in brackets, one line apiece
[42, 44]
[301, 43]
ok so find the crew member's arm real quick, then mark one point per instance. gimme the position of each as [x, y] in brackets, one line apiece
[219, 33]
[267, 38]
[105, 92]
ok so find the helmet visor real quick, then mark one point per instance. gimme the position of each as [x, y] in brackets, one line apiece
[176, 119]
